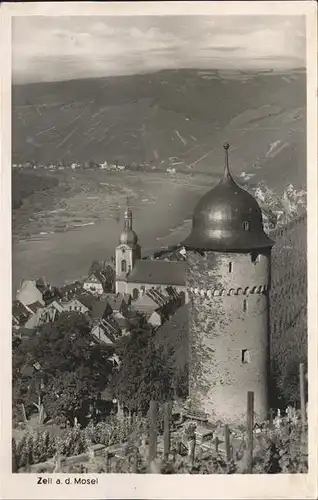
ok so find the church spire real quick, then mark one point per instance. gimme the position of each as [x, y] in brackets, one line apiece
[227, 173]
[128, 217]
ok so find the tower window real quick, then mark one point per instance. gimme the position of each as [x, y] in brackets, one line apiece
[123, 266]
[246, 225]
[230, 267]
[135, 293]
[245, 356]
[244, 305]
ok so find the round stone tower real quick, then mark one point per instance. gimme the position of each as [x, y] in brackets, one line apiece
[228, 281]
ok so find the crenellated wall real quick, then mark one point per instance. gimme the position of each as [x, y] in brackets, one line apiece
[228, 332]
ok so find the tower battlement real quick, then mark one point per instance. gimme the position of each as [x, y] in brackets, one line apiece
[217, 292]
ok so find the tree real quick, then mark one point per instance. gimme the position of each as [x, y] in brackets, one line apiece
[145, 372]
[69, 396]
[74, 368]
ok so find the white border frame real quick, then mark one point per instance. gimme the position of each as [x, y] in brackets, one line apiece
[146, 486]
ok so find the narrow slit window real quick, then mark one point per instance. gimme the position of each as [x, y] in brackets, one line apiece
[245, 356]
[244, 305]
[246, 225]
[230, 267]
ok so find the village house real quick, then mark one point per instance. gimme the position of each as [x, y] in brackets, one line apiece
[67, 291]
[86, 299]
[35, 317]
[155, 319]
[107, 331]
[23, 333]
[101, 310]
[124, 324]
[41, 284]
[28, 293]
[20, 313]
[144, 303]
[94, 284]
[151, 299]
[74, 305]
[51, 312]
[118, 302]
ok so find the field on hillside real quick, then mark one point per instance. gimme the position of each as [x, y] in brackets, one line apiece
[170, 117]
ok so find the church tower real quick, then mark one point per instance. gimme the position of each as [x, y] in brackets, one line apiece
[127, 252]
[228, 281]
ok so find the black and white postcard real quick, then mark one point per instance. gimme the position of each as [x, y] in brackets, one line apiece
[159, 250]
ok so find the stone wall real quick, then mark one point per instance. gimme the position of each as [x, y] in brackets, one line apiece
[228, 333]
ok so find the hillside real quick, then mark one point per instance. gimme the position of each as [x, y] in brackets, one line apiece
[167, 117]
[25, 183]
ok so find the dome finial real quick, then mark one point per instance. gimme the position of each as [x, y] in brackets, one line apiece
[226, 147]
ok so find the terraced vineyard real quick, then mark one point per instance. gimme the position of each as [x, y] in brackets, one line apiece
[164, 118]
[289, 305]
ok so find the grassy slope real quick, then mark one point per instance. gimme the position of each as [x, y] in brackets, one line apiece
[26, 183]
[182, 114]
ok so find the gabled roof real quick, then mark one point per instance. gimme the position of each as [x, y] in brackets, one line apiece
[71, 287]
[115, 300]
[101, 309]
[20, 312]
[95, 277]
[110, 329]
[157, 296]
[144, 303]
[56, 305]
[126, 298]
[35, 306]
[121, 321]
[173, 253]
[158, 272]
[72, 301]
[86, 299]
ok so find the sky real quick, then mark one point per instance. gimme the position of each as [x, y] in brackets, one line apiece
[63, 48]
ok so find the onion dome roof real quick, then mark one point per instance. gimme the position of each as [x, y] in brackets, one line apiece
[227, 218]
[128, 237]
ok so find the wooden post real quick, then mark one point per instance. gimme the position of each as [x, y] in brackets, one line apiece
[191, 450]
[178, 447]
[108, 462]
[302, 395]
[250, 425]
[152, 452]
[41, 414]
[166, 425]
[227, 442]
[270, 418]
[135, 461]
[24, 414]
[216, 444]
[14, 456]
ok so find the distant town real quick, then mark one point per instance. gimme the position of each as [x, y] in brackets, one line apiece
[169, 166]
